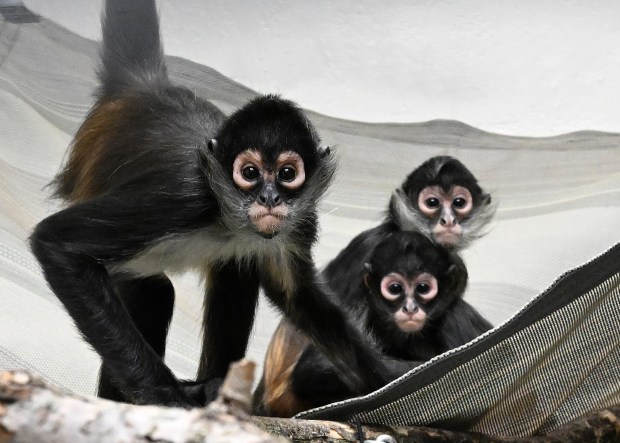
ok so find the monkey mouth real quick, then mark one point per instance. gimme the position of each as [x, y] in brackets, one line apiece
[410, 326]
[267, 221]
[410, 322]
[447, 236]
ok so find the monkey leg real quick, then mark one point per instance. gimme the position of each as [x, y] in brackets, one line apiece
[230, 307]
[150, 303]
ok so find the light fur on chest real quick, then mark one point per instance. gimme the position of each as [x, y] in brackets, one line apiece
[204, 249]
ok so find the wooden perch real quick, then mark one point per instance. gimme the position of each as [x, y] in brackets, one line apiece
[32, 412]
[600, 427]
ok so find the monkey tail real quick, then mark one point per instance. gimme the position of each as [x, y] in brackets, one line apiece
[276, 394]
[132, 54]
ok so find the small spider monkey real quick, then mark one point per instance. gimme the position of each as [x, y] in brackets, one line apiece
[157, 181]
[407, 298]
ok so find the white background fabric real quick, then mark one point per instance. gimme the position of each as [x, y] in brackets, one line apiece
[521, 68]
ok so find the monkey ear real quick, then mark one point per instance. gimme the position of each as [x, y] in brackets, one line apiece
[367, 271]
[212, 145]
[366, 280]
[457, 273]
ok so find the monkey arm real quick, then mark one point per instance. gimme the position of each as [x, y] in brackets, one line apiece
[344, 272]
[75, 246]
[230, 305]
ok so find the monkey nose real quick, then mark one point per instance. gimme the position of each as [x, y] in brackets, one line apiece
[269, 198]
[448, 221]
[410, 309]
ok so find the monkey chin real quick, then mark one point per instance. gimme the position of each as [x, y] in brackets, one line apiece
[267, 222]
[268, 226]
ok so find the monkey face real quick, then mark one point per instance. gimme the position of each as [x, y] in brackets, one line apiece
[407, 298]
[266, 169]
[446, 209]
[410, 282]
[269, 184]
[442, 199]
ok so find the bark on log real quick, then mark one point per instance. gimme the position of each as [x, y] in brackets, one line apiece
[602, 426]
[32, 412]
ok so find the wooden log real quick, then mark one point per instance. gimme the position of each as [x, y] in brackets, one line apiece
[32, 412]
[601, 426]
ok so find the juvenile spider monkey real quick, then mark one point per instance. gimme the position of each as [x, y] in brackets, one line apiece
[158, 180]
[407, 298]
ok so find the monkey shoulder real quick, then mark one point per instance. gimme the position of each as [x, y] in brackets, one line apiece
[344, 272]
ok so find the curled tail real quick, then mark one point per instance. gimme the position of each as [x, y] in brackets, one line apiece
[132, 61]
[132, 55]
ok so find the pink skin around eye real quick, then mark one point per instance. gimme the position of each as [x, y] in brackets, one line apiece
[430, 281]
[292, 160]
[427, 193]
[446, 200]
[249, 157]
[461, 192]
[389, 280]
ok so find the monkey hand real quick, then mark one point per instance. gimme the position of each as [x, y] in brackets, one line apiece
[201, 392]
[184, 395]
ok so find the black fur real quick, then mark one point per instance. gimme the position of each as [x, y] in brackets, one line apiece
[445, 171]
[451, 321]
[148, 193]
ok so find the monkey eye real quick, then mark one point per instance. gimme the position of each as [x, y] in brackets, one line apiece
[395, 288]
[422, 288]
[459, 202]
[287, 174]
[432, 202]
[250, 173]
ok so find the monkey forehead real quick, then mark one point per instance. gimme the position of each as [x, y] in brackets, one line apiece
[272, 125]
[249, 156]
[451, 191]
[410, 263]
[443, 171]
[253, 156]
[400, 246]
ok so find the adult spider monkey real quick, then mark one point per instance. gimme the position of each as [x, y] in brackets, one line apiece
[159, 180]
[442, 200]
[407, 298]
